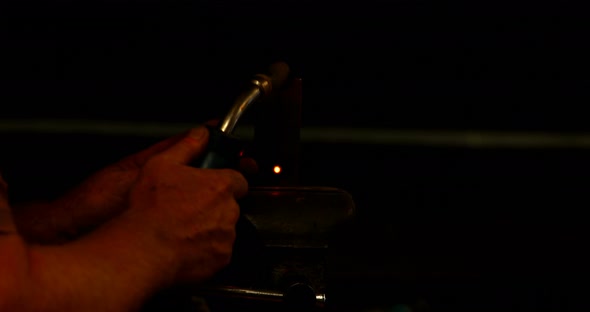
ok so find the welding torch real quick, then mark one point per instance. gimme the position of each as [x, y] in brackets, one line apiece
[223, 149]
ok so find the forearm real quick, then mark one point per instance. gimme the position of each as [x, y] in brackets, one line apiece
[113, 269]
[44, 222]
[75, 213]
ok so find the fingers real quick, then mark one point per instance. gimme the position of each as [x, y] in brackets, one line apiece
[188, 147]
[248, 166]
[193, 143]
[237, 182]
[143, 156]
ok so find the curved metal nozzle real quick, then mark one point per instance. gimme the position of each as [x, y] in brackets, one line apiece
[262, 85]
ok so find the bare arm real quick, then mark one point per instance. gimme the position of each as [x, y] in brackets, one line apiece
[98, 199]
[179, 226]
[113, 269]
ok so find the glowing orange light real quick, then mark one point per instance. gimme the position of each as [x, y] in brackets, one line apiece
[277, 169]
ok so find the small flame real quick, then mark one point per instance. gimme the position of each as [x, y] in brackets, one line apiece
[277, 169]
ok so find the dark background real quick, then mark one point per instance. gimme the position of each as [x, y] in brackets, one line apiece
[465, 228]
[400, 64]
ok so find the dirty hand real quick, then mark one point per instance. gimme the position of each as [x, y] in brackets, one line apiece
[95, 201]
[189, 212]
[98, 199]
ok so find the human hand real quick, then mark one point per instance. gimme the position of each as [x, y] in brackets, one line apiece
[179, 226]
[189, 212]
[98, 199]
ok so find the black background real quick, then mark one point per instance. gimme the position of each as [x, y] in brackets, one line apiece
[400, 64]
[469, 228]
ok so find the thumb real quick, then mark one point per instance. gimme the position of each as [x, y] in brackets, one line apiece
[187, 148]
[137, 160]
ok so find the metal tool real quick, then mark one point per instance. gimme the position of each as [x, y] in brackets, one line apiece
[298, 292]
[224, 147]
[280, 259]
[285, 263]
